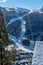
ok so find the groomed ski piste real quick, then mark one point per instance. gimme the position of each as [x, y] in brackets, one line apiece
[19, 46]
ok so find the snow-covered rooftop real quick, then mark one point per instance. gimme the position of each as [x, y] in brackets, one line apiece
[38, 53]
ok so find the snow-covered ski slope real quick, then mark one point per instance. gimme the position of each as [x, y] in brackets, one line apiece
[20, 46]
[38, 53]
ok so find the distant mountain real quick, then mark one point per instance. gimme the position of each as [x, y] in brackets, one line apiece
[41, 9]
[33, 21]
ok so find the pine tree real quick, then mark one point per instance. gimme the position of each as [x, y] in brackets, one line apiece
[4, 41]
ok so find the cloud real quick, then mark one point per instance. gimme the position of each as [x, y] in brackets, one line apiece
[3, 0]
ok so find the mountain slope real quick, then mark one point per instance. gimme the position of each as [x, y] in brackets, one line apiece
[24, 23]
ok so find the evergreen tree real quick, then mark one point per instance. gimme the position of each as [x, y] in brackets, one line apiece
[4, 41]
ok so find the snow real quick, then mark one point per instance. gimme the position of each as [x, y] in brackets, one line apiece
[23, 61]
[31, 46]
[7, 9]
[31, 11]
[18, 17]
[22, 32]
[38, 53]
[19, 46]
[25, 15]
[40, 12]
[9, 48]
[13, 20]
[23, 29]
[16, 8]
